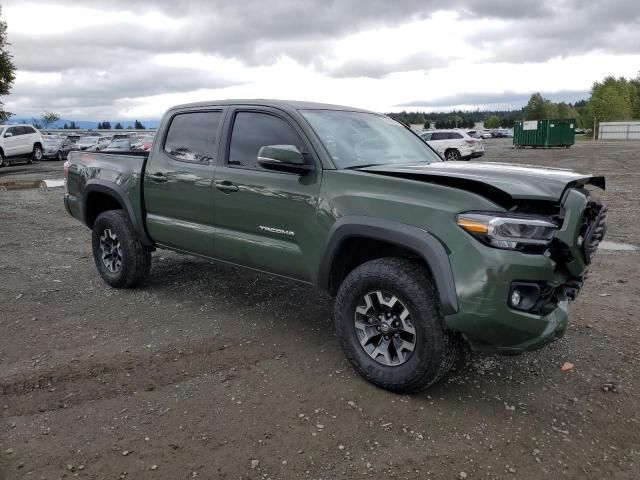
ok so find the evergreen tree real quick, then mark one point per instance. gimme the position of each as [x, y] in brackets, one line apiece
[7, 68]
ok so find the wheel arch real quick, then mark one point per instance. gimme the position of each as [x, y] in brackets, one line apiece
[401, 237]
[101, 196]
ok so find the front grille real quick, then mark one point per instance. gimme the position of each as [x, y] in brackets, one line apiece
[593, 230]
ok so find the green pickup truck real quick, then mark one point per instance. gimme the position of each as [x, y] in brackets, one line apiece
[420, 254]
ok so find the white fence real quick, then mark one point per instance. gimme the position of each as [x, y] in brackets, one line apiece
[619, 130]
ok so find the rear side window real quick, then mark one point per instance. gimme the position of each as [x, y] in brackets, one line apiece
[192, 136]
[28, 130]
[253, 130]
[454, 135]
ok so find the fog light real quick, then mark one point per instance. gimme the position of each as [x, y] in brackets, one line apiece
[515, 298]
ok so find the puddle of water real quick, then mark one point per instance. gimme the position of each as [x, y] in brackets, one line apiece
[617, 247]
[31, 184]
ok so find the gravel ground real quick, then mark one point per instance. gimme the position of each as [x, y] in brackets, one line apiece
[214, 372]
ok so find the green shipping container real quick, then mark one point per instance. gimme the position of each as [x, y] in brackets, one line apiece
[544, 133]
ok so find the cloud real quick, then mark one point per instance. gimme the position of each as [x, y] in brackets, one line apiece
[505, 99]
[572, 28]
[374, 68]
[101, 55]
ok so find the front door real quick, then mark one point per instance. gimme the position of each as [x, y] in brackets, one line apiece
[265, 219]
[178, 182]
[11, 142]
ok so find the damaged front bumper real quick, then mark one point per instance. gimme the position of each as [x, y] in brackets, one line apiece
[511, 302]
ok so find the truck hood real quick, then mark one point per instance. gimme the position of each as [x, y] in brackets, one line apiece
[503, 183]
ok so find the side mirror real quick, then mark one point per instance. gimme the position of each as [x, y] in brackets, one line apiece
[7, 135]
[283, 158]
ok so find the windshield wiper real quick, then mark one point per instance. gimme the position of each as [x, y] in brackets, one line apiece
[355, 167]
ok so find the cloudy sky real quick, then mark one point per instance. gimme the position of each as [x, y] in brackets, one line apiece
[133, 59]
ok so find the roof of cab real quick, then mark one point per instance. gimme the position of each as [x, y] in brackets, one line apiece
[282, 104]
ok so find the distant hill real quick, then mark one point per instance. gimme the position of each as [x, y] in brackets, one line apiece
[86, 124]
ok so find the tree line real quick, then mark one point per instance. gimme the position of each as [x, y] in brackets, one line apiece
[612, 99]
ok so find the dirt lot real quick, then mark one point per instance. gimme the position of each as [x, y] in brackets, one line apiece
[213, 372]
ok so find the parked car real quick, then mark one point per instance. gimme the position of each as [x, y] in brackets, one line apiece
[146, 142]
[74, 138]
[57, 148]
[19, 142]
[484, 134]
[120, 136]
[92, 143]
[497, 134]
[421, 254]
[454, 144]
[121, 145]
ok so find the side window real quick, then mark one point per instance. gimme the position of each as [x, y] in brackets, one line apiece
[426, 136]
[28, 130]
[253, 130]
[438, 136]
[12, 130]
[192, 136]
[455, 136]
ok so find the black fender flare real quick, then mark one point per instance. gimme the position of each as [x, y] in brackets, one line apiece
[117, 192]
[419, 241]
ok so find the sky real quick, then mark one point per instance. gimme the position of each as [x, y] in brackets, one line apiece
[119, 59]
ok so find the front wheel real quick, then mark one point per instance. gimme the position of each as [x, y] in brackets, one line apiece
[390, 326]
[122, 261]
[3, 161]
[59, 157]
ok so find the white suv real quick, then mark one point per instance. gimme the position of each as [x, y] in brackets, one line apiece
[454, 144]
[19, 142]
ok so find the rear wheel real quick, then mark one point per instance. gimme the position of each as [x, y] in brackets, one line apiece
[36, 155]
[122, 261]
[452, 155]
[389, 323]
[59, 156]
[3, 160]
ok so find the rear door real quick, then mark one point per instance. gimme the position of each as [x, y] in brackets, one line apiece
[265, 219]
[178, 181]
[439, 141]
[26, 143]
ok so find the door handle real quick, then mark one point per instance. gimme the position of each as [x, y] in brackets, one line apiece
[226, 186]
[158, 177]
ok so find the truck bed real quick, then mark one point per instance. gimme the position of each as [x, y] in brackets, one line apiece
[92, 173]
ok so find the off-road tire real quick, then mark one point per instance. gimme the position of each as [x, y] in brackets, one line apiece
[452, 155]
[436, 350]
[136, 258]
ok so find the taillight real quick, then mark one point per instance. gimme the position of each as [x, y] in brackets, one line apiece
[66, 169]
[470, 141]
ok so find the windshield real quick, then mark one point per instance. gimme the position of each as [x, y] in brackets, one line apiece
[87, 140]
[119, 143]
[357, 139]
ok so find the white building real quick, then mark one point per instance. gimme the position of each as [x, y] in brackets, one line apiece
[629, 130]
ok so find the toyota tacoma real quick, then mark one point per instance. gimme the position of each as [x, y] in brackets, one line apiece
[420, 254]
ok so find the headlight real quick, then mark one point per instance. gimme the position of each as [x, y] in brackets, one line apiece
[508, 231]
